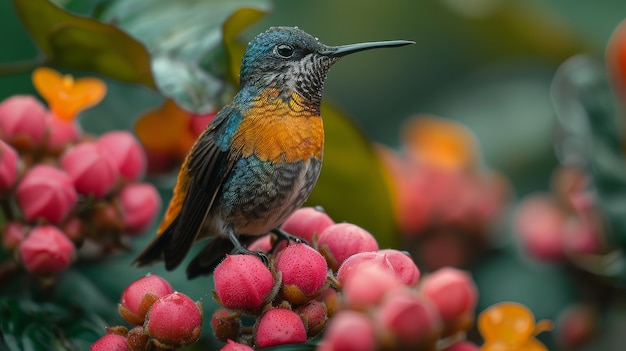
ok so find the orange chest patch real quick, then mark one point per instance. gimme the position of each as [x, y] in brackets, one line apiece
[280, 131]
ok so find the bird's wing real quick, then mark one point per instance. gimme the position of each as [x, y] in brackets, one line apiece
[198, 183]
[208, 165]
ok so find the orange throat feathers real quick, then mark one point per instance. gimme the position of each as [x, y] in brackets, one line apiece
[280, 131]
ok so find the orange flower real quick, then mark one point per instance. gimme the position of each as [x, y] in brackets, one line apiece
[65, 95]
[440, 142]
[511, 326]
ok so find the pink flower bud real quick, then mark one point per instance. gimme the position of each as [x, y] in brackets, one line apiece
[463, 346]
[61, 133]
[46, 251]
[46, 192]
[364, 258]
[139, 204]
[367, 284]
[340, 241]
[315, 316]
[307, 222]
[280, 326]
[455, 296]
[349, 331]
[303, 271]
[110, 342]
[139, 296]
[174, 321]
[226, 324]
[403, 266]
[22, 121]
[234, 346]
[243, 282]
[92, 171]
[409, 319]
[540, 227]
[8, 166]
[127, 153]
[13, 234]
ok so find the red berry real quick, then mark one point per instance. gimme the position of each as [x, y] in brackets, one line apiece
[126, 152]
[93, 172]
[349, 331]
[46, 192]
[110, 342]
[243, 282]
[139, 296]
[280, 326]
[303, 272]
[340, 241]
[46, 251]
[174, 321]
[307, 222]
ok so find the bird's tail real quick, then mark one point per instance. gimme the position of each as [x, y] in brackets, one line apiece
[207, 259]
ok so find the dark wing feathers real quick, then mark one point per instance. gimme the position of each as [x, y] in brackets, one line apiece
[208, 166]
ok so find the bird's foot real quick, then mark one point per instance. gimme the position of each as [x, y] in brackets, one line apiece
[282, 235]
[243, 251]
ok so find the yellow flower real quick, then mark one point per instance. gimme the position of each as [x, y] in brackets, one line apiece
[67, 96]
[510, 326]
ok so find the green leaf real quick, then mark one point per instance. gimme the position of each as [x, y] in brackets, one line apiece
[186, 44]
[77, 42]
[352, 185]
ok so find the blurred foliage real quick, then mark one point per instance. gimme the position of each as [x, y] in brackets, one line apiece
[487, 63]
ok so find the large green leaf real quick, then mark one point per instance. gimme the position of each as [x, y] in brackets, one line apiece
[186, 44]
[352, 185]
[78, 42]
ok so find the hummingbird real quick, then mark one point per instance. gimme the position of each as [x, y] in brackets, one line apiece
[259, 159]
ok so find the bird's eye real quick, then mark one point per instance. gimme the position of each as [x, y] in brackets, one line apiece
[284, 50]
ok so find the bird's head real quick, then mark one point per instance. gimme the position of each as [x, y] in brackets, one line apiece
[291, 60]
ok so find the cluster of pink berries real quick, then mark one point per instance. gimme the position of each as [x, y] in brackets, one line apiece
[375, 297]
[61, 188]
[163, 319]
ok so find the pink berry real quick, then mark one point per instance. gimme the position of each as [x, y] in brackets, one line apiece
[367, 285]
[540, 227]
[110, 342]
[315, 316]
[139, 204]
[139, 296]
[46, 251]
[8, 166]
[409, 318]
[280, 326]
[234, 346]
[243, 282]
[61, 133]
[364, 258]
[342, 240]
[403, 266]
[349, 331]
[307, 222]
[46, 192]
[22, 120]
[126, 152]
[577, 325]
[174, 321]
[303, 272]
[452, 291]
[92, 171]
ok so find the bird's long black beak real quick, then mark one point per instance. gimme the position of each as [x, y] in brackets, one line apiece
[342, 50]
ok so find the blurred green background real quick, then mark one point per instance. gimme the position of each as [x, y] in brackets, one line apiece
[486, 63]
